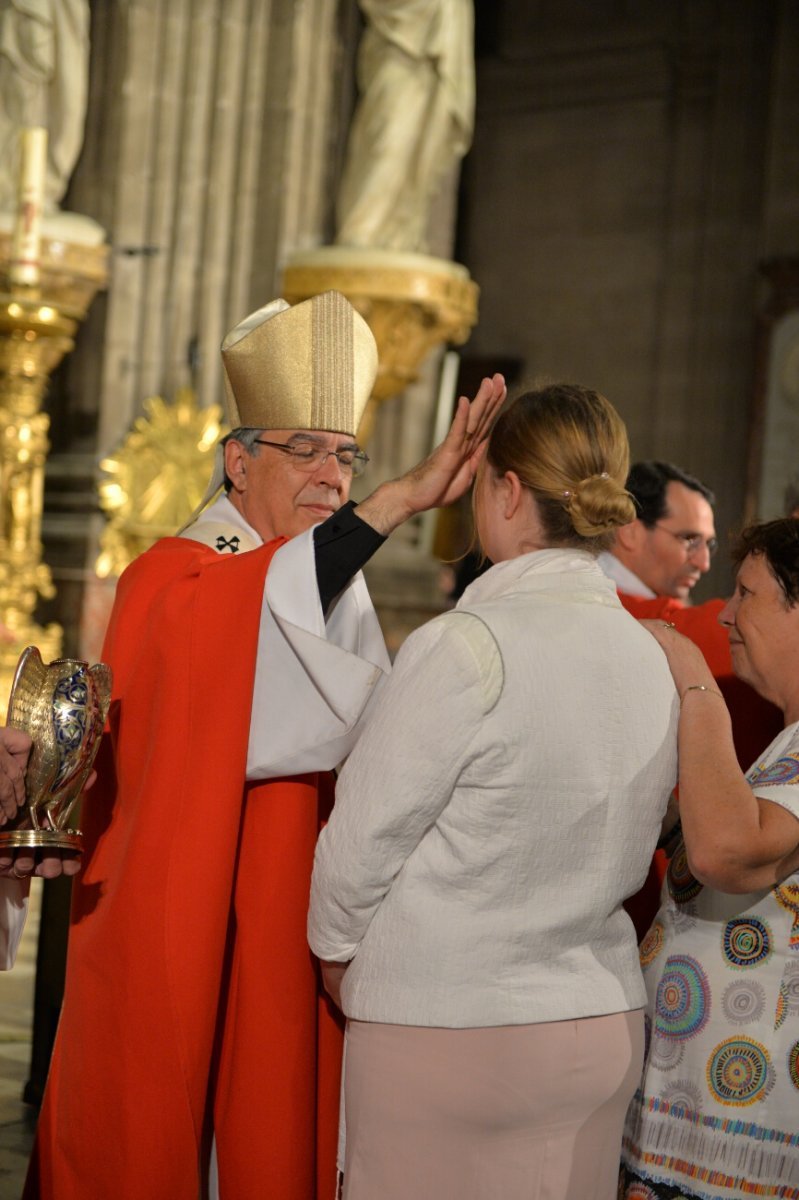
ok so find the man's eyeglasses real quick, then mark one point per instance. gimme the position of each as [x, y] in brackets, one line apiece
[691, 542]
[308, 456]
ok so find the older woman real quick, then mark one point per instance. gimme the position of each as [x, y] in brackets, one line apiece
[717, 1114]
[502, 803]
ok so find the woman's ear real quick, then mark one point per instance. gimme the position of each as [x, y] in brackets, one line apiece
[512, 488]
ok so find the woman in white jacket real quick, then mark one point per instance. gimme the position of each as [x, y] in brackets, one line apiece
[504, 800]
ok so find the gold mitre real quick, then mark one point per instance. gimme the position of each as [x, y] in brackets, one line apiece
[307, 366]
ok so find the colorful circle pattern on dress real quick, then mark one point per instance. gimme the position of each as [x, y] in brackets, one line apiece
[744, 1001]
[793, 1065]
[683, 1094]
[784, 770]
[639, 1191]
[652, 944]
[682, 916]
[739, 1072]
[746, 942]
[682, 1001]
[665, 1053]
[787, 894]
[681, 883]
[789, 987]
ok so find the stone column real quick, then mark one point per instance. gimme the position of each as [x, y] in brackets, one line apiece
[205, 164]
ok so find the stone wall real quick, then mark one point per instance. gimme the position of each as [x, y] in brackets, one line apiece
[632, 165]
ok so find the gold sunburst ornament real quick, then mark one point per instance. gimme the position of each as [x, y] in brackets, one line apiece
[157, 476]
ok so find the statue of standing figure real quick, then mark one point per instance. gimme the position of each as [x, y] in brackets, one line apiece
[413, 122]
[44, 76]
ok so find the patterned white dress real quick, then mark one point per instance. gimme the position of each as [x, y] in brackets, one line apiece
[717, 1114]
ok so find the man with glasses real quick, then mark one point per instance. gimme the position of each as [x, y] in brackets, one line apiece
[666, 551]
[655, 562]
[245, 653]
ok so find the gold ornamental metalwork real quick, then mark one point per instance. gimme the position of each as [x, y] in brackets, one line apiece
[156, 477]
[34, 336]
[37, 328]
[412, 303]
[62, 705]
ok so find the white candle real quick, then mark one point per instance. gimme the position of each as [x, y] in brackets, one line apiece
[26, 247]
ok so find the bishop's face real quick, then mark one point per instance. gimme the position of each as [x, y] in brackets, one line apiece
[280, 498]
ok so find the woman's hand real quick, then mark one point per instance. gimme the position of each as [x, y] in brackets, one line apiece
[686, 661]
[332, 975]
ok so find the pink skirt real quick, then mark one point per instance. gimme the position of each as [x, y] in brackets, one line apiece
[512, 1112]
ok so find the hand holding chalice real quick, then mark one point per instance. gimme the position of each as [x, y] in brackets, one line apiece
[62, 705]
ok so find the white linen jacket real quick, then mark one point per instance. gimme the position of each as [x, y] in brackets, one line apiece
[502, 802]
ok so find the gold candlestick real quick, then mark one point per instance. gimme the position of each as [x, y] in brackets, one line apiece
[46, 286]
[26, 250]
[34, 337]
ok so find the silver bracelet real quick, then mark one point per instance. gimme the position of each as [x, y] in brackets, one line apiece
[700, 687]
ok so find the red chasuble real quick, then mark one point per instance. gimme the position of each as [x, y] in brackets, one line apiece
[755, 722]
[192, 1001]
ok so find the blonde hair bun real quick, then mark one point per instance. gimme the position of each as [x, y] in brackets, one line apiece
[554, 436]
[598, 505]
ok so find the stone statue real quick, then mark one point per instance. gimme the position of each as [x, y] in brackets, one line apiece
[413, 121]
[44, 74]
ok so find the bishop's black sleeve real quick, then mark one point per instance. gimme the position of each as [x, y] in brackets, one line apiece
[342, 543]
